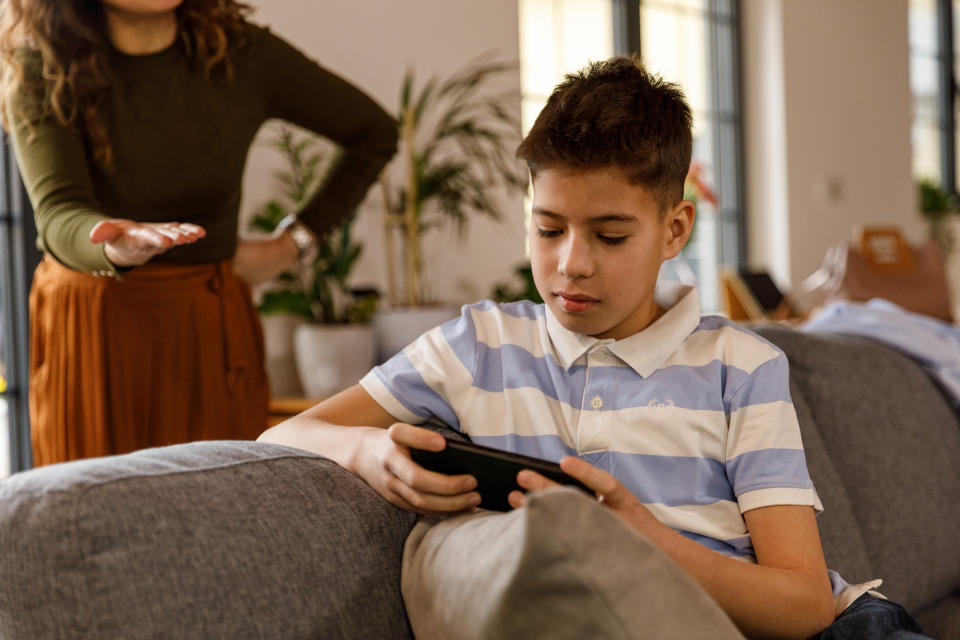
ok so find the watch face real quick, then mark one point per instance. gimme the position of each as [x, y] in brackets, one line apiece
[305, 240]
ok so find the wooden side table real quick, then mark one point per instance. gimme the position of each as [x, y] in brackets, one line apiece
[280, 409]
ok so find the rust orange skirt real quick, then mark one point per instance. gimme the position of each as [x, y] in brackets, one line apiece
[169, 354]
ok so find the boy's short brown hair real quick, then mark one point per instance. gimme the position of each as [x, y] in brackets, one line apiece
[616, 114]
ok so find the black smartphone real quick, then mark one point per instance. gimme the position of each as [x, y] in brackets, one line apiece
[495, 470]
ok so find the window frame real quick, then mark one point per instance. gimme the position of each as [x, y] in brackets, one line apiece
[946, 100]
[18, 258]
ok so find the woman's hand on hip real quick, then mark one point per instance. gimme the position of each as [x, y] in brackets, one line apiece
[130, 244]
[260, 260]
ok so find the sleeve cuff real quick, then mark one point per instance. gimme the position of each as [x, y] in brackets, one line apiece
[382, 396]
[779, 496]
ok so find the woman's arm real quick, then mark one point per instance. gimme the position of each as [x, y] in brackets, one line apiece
[304, 93]
[70, 224]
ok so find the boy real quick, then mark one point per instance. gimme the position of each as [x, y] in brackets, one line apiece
[682, 426]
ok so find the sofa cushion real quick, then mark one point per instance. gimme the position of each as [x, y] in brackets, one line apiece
[894, 442]
[565, 567]
[942, 620]
[203, 540]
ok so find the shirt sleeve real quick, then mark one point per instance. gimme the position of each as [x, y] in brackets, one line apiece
[300, 91]
[764, 457]
[55, 168]
[431, 378]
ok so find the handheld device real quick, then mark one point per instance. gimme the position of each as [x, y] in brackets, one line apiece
[495, 470]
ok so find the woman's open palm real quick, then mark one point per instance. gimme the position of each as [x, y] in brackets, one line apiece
[130, 244]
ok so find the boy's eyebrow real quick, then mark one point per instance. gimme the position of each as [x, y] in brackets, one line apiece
[609, 217]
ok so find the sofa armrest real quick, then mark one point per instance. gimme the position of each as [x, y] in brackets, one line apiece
[202, 540]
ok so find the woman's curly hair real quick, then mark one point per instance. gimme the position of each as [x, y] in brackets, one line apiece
[68, 39]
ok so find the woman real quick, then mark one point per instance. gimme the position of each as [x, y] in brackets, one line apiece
[131, 121]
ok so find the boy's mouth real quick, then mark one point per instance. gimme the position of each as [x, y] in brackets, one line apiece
[575, 302]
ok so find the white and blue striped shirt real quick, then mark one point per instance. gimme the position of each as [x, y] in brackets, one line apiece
[693, 415]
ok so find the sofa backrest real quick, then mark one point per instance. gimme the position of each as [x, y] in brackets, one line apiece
[883, 449]
[203, 540]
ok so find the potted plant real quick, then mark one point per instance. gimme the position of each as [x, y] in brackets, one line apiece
[939, 207]
[333, 344]
[457, 141]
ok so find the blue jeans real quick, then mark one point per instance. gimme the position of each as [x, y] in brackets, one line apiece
[870, 618]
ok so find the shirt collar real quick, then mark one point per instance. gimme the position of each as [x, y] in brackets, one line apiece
[644, 351]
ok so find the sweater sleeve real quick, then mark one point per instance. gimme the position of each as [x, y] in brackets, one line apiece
[54, 165]
[304, 93]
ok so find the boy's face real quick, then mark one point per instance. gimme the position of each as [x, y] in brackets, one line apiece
[596, 246]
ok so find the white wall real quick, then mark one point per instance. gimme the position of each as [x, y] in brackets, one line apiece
[826, 108]
[372, 43]
[827, 113]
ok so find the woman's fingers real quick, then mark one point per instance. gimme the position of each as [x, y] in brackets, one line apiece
[160, 235]
[149, 236]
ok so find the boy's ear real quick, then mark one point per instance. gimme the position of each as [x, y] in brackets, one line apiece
[678, 225]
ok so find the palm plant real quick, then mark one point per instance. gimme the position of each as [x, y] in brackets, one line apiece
[456, 141]
[317, 291]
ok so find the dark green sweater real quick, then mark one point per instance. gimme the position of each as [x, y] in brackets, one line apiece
[180, 141]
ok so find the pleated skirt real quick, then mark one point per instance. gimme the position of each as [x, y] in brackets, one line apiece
[168, 354]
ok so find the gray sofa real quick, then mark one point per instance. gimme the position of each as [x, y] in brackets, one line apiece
[248, 540]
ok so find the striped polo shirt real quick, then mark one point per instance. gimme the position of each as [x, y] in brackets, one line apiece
[693, 415]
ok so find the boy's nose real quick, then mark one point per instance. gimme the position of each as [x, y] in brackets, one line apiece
[575, 260]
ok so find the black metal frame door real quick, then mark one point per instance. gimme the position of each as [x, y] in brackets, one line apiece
[18, 258]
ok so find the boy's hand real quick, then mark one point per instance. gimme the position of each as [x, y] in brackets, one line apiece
[385, 464]
[608, 489]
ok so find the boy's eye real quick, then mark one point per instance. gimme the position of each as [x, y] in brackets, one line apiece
[613, 239]
[547, 233]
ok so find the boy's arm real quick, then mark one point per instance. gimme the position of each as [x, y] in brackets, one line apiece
[786, 595]
[354, 431]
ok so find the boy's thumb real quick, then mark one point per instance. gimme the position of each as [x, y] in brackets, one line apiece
[105, 231]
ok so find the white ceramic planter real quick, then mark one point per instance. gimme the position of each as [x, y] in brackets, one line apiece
[278, 329]
[332, 357]
[396, 328]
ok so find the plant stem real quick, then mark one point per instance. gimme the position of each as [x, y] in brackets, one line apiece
[411, 212]
[389, 230]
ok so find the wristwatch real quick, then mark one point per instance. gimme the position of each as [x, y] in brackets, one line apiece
[305, 239]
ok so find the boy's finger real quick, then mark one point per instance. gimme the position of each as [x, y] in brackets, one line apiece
[428, 502]
[422, 479]
[604, 484]
[516, 499]
[416, 437]
[533, 481]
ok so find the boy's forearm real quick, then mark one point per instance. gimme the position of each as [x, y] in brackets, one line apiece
[339, 443]
[764, 602]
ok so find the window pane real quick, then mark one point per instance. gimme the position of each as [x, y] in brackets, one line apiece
[924, 81]
[926, 151]
[558, 37]
[925, 87]
[674, 44]
[923, 28]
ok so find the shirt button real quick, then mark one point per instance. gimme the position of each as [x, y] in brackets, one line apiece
[597, 402]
